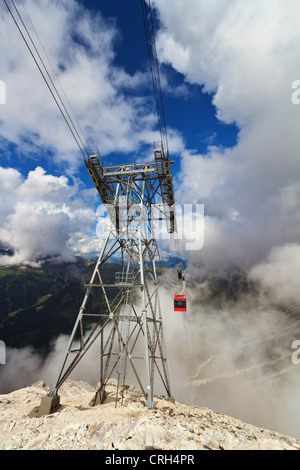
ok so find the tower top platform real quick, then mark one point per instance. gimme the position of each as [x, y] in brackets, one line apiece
[157, 175]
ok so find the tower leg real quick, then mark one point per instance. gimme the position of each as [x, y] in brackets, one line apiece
[99, 397]
[149, 402]
[48, 406]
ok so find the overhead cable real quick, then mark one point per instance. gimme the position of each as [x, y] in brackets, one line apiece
[58, 100]
[56, 76]
[154, 67]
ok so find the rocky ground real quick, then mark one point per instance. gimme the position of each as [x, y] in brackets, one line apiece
[170, 426]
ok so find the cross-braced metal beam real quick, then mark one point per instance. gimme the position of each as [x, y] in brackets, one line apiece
[128, 322]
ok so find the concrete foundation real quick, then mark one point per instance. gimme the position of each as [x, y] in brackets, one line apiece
[48, 406]
[99, 398]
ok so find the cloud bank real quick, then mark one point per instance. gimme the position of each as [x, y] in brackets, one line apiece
[112, 108]
[246, 56]
[44, 216]
[81, 47]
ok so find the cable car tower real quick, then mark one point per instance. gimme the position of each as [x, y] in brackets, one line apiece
[132, 316]
[128, 318]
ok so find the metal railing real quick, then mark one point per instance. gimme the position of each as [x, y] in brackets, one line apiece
[122, 278]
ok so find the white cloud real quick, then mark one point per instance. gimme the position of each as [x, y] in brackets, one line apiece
[45, 218]
[80, 45]
[279, 274]
[246, 55]
[10, 181]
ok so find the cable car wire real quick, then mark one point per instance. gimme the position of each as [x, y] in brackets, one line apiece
[154, 68]
[61, 106]
[57, 79]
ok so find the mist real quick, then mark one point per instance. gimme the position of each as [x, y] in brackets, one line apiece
[231, 352]
[238, 361]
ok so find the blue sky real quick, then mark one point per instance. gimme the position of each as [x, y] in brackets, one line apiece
[191, 111]
[226, 70]
[188, 109]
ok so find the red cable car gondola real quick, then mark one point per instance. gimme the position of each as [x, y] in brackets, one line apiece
[179, 303]
[180, 299]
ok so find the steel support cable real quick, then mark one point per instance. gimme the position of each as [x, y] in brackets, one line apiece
[160, 96]
[39, 56]
[82, 149]
[149, 47]
[152, 52]
[57, 79]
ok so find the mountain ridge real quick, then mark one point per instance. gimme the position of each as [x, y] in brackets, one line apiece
[130, 427]
[39, 304]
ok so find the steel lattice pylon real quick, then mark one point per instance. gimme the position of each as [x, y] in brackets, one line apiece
[129, 313]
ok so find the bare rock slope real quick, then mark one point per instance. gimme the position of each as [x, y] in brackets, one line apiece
[169, 426]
